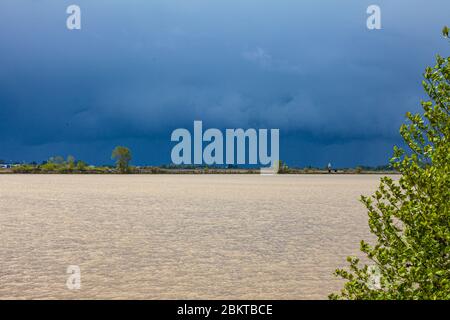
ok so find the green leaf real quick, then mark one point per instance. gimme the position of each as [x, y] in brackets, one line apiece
[445, 31]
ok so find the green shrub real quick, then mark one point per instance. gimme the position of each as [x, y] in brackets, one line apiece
[81, 166]
[48, 167]
[24, 169]
[411, 217]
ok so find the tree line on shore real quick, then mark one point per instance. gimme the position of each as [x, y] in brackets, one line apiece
[58, 164]
[123, 156]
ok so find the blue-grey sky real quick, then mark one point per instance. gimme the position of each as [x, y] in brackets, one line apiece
[138, 69]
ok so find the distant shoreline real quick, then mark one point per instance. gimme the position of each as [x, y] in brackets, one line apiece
[158, 170]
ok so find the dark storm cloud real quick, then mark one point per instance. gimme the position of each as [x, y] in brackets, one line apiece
[139, 69]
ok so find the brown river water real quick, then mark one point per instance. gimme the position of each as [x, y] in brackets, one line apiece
[179, 236]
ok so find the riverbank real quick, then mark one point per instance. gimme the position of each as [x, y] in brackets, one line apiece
[161, 170]
[191, 171]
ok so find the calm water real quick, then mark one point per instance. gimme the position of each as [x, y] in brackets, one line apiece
[179, 236]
